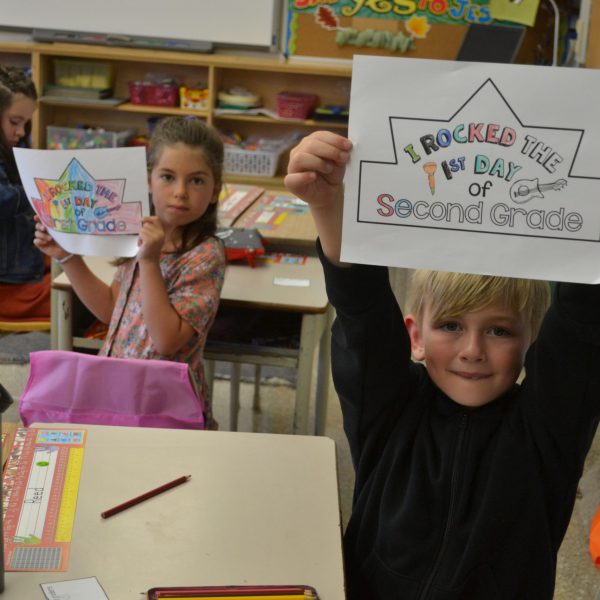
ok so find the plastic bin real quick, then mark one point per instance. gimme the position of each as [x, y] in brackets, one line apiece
[83, 73]
[295, 105]
[65, 138]
[260, 163]
[153, 94]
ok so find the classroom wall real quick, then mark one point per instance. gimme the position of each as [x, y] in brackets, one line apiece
[228, 22]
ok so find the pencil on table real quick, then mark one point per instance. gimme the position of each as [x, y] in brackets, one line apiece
[240, 595]
[275, 592]
[244, 597]
[159, 490]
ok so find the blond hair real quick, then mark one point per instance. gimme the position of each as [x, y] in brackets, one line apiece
[450, 295]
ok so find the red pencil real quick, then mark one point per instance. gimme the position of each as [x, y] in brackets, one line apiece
[163, 488]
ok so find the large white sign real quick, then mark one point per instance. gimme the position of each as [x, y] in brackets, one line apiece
[474, 167]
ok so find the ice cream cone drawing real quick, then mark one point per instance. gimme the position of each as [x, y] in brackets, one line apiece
[430, 168]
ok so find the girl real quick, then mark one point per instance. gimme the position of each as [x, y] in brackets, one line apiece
[161, 303]
[24, 273]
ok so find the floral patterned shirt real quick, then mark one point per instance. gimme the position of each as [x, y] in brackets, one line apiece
[194, 281]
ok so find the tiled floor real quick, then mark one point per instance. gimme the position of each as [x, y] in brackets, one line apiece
[577, 578]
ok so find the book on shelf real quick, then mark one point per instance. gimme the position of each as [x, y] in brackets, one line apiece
[261, 111]
[64, 91]
[86, 101]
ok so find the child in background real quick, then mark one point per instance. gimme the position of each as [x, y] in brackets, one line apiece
[24, 273]
[465, 481]
[162, 303]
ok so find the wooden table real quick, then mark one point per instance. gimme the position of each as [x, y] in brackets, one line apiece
[252, 288]
[294, 230]
[258, 509]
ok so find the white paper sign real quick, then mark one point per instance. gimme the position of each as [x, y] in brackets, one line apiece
[91, 201]
[75, 589]
[474, 167]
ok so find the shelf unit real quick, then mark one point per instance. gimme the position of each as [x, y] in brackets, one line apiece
[263, 75]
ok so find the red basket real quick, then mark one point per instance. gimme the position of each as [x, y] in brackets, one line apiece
[154, 94]
[295, 105]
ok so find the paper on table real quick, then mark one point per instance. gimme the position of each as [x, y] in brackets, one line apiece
[87, 588]
[484, 168]
[234, 200]
[291, 282]
[91, 201]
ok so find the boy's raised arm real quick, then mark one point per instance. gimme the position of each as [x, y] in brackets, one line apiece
[315, 174]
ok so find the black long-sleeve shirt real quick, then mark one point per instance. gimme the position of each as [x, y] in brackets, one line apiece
[453, 503]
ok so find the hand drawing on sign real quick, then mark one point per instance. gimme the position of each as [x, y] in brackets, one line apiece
[78, 203]
[524, 190]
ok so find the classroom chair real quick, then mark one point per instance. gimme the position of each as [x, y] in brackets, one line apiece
[257, 337]
[234, 384]
[24, 326]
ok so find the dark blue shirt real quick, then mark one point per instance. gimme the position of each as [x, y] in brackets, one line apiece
[20, 260]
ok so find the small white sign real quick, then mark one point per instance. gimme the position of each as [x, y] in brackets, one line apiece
[91, 201]
[75, 589]
[476, 167]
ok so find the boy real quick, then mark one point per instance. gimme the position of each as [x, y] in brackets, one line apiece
[465, 481]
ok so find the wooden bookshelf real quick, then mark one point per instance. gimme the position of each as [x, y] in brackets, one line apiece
[263, 75]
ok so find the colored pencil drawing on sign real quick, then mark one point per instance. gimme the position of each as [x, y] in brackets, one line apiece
[86, 211]
[77, 203]
[487, 180]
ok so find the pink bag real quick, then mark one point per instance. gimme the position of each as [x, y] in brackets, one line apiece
[70, 387]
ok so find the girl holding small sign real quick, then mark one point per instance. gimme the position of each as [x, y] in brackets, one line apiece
[162, 302]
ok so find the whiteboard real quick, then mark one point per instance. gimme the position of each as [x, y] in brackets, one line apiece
[254, 23]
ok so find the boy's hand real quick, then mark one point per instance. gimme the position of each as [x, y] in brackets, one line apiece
[316, 175]
[316, 167]
[151, 239]
[46, 243]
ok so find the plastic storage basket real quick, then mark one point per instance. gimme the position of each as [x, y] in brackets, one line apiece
[65, 138]
[153, 94]
[295, 105]
[239, 161]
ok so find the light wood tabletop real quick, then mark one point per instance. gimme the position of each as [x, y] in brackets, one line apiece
[258, 509]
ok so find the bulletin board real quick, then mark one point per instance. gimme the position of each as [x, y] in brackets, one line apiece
[413, 28]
